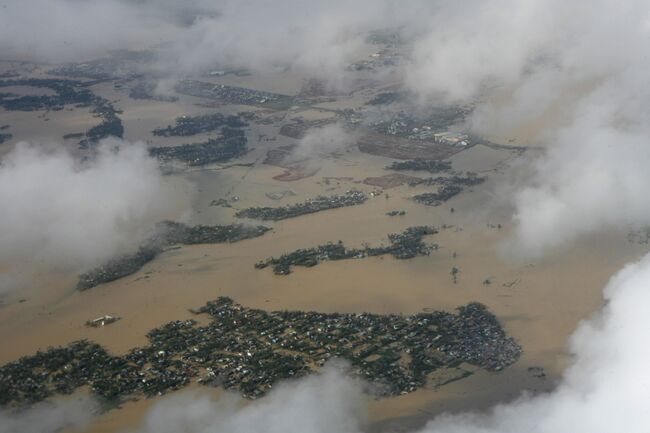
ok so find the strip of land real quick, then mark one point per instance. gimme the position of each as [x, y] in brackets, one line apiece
[168, 233]
[318, 204]
[405, 245]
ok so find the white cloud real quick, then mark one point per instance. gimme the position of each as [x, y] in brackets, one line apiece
[606, 390]
[578, 67]
[324, 403]
[537, 53]
[70, 30]
[48, 417]
[57, 211]
[607, 387]
[322, 141]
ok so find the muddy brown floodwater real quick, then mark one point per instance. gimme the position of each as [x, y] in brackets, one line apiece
[538, 302]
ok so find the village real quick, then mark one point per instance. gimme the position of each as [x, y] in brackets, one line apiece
[432, 166]
[242, 349]
[111, 125]
[317, 204]
[231, 144]
[235, 95]
[448, 187]
[192, 125]
[67, 92]
[432, 127]
[405, 245]
[250, 350]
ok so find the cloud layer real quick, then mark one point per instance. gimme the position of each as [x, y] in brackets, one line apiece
[60, 212]
[580, 70]
[328, 402]
[607, 387]
[518, 61]
[48, 417]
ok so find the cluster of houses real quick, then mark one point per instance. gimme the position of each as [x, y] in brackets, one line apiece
[250, 350]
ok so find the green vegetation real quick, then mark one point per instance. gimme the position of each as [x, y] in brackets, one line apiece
[417, 125]
[235, 95]
[437, 198]
[318, 204]
[231, 144]
[66, 92]
[470, 179]
[454, 274]
[405, 245]
[168, 233]
[250, 350]
[192, 125]
[449, 187]
[432, 166]
[111, 125]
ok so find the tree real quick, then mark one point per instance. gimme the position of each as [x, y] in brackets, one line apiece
[454, 274]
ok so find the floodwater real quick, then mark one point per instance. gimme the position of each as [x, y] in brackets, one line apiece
[539, 302]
